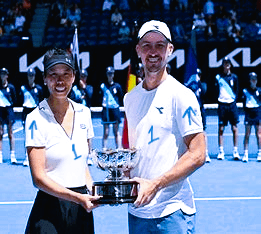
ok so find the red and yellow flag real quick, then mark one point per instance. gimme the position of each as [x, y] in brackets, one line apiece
[131, 83]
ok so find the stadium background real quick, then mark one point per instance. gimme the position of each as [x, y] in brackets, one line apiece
[99, 38]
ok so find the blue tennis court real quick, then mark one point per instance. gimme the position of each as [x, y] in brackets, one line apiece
[228, 193]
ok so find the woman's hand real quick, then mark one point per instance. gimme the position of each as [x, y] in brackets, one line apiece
[88, 202]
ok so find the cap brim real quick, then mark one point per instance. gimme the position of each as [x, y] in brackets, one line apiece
[58, 62]
[141, 36]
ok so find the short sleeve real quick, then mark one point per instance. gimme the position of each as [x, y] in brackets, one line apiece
[188, 115]
[34, 135]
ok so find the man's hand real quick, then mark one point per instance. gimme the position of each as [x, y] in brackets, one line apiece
[147, 191]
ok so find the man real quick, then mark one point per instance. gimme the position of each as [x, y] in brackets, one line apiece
[7, 100]
[31, 95]
[200, 88]
[112, 99]
[227, 85]
[252, 108]
[82, 92]
[164, 123]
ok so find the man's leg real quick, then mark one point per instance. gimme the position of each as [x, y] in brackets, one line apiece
[117, 135]
[221, 154]
[246, 142]
[11, 142]
[258, 138]
[235, 142]
[105, 135]
[1, 142]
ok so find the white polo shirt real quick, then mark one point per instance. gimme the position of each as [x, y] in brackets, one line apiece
[157, 122]
[65, 156]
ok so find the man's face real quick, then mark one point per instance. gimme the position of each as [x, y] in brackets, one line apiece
[253, 82]
[110, 76]
[4, 77]
[31, 78]
[226, 66]
[154, 49]
[83, 78]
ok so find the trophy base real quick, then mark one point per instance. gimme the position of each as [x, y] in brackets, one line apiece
[115, 192]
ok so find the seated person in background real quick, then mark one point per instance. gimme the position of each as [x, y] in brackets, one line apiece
[124, 33]
[55, 13]
[19, 22]
[209, 8]
[9, 27]
[178, 31]
[211, 28]
[234, 31]
[253, 29]
[222, 19]
[116, 17]
[74, 15]
[107, 5]
[199, 20]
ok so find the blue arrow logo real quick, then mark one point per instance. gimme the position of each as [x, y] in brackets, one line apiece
[188, 112]
[32, 127]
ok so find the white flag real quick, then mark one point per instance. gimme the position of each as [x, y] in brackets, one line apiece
[75, 49]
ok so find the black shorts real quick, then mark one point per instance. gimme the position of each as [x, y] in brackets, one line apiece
[111, 115]
[228, 112]
[53, 215]
[252, 116]
[7, 115]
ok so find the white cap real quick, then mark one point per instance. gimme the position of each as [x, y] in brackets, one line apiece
[155, 25]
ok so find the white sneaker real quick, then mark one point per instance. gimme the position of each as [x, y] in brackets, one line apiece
[245, 158]
[1, 160]
[221, 156]
[236, 155]
[26, 163]
[259, 157]
[89, 161]
[13, 160]
[208, 160]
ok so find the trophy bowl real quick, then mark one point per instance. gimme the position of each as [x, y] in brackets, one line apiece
[117, 188]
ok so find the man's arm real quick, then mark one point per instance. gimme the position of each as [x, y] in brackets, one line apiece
[188, 163]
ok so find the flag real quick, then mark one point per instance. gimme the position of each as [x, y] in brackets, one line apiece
[191, 58]
[131, 80]
[131, 83]
[75, 50]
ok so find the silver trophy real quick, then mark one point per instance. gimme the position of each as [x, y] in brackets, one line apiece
[117, 188]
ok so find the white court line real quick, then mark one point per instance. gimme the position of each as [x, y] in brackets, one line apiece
[227, 198]
[196, 199]
[15, 131]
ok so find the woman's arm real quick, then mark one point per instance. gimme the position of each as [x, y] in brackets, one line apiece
[45, 183]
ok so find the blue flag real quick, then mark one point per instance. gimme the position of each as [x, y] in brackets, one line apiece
[191, 58]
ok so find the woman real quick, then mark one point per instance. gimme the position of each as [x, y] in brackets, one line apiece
[58, 134]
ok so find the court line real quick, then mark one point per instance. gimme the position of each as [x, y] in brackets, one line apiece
[196, 199]
[227, 198]
[15, 131]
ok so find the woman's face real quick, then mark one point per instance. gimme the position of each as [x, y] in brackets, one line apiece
[59, 80]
